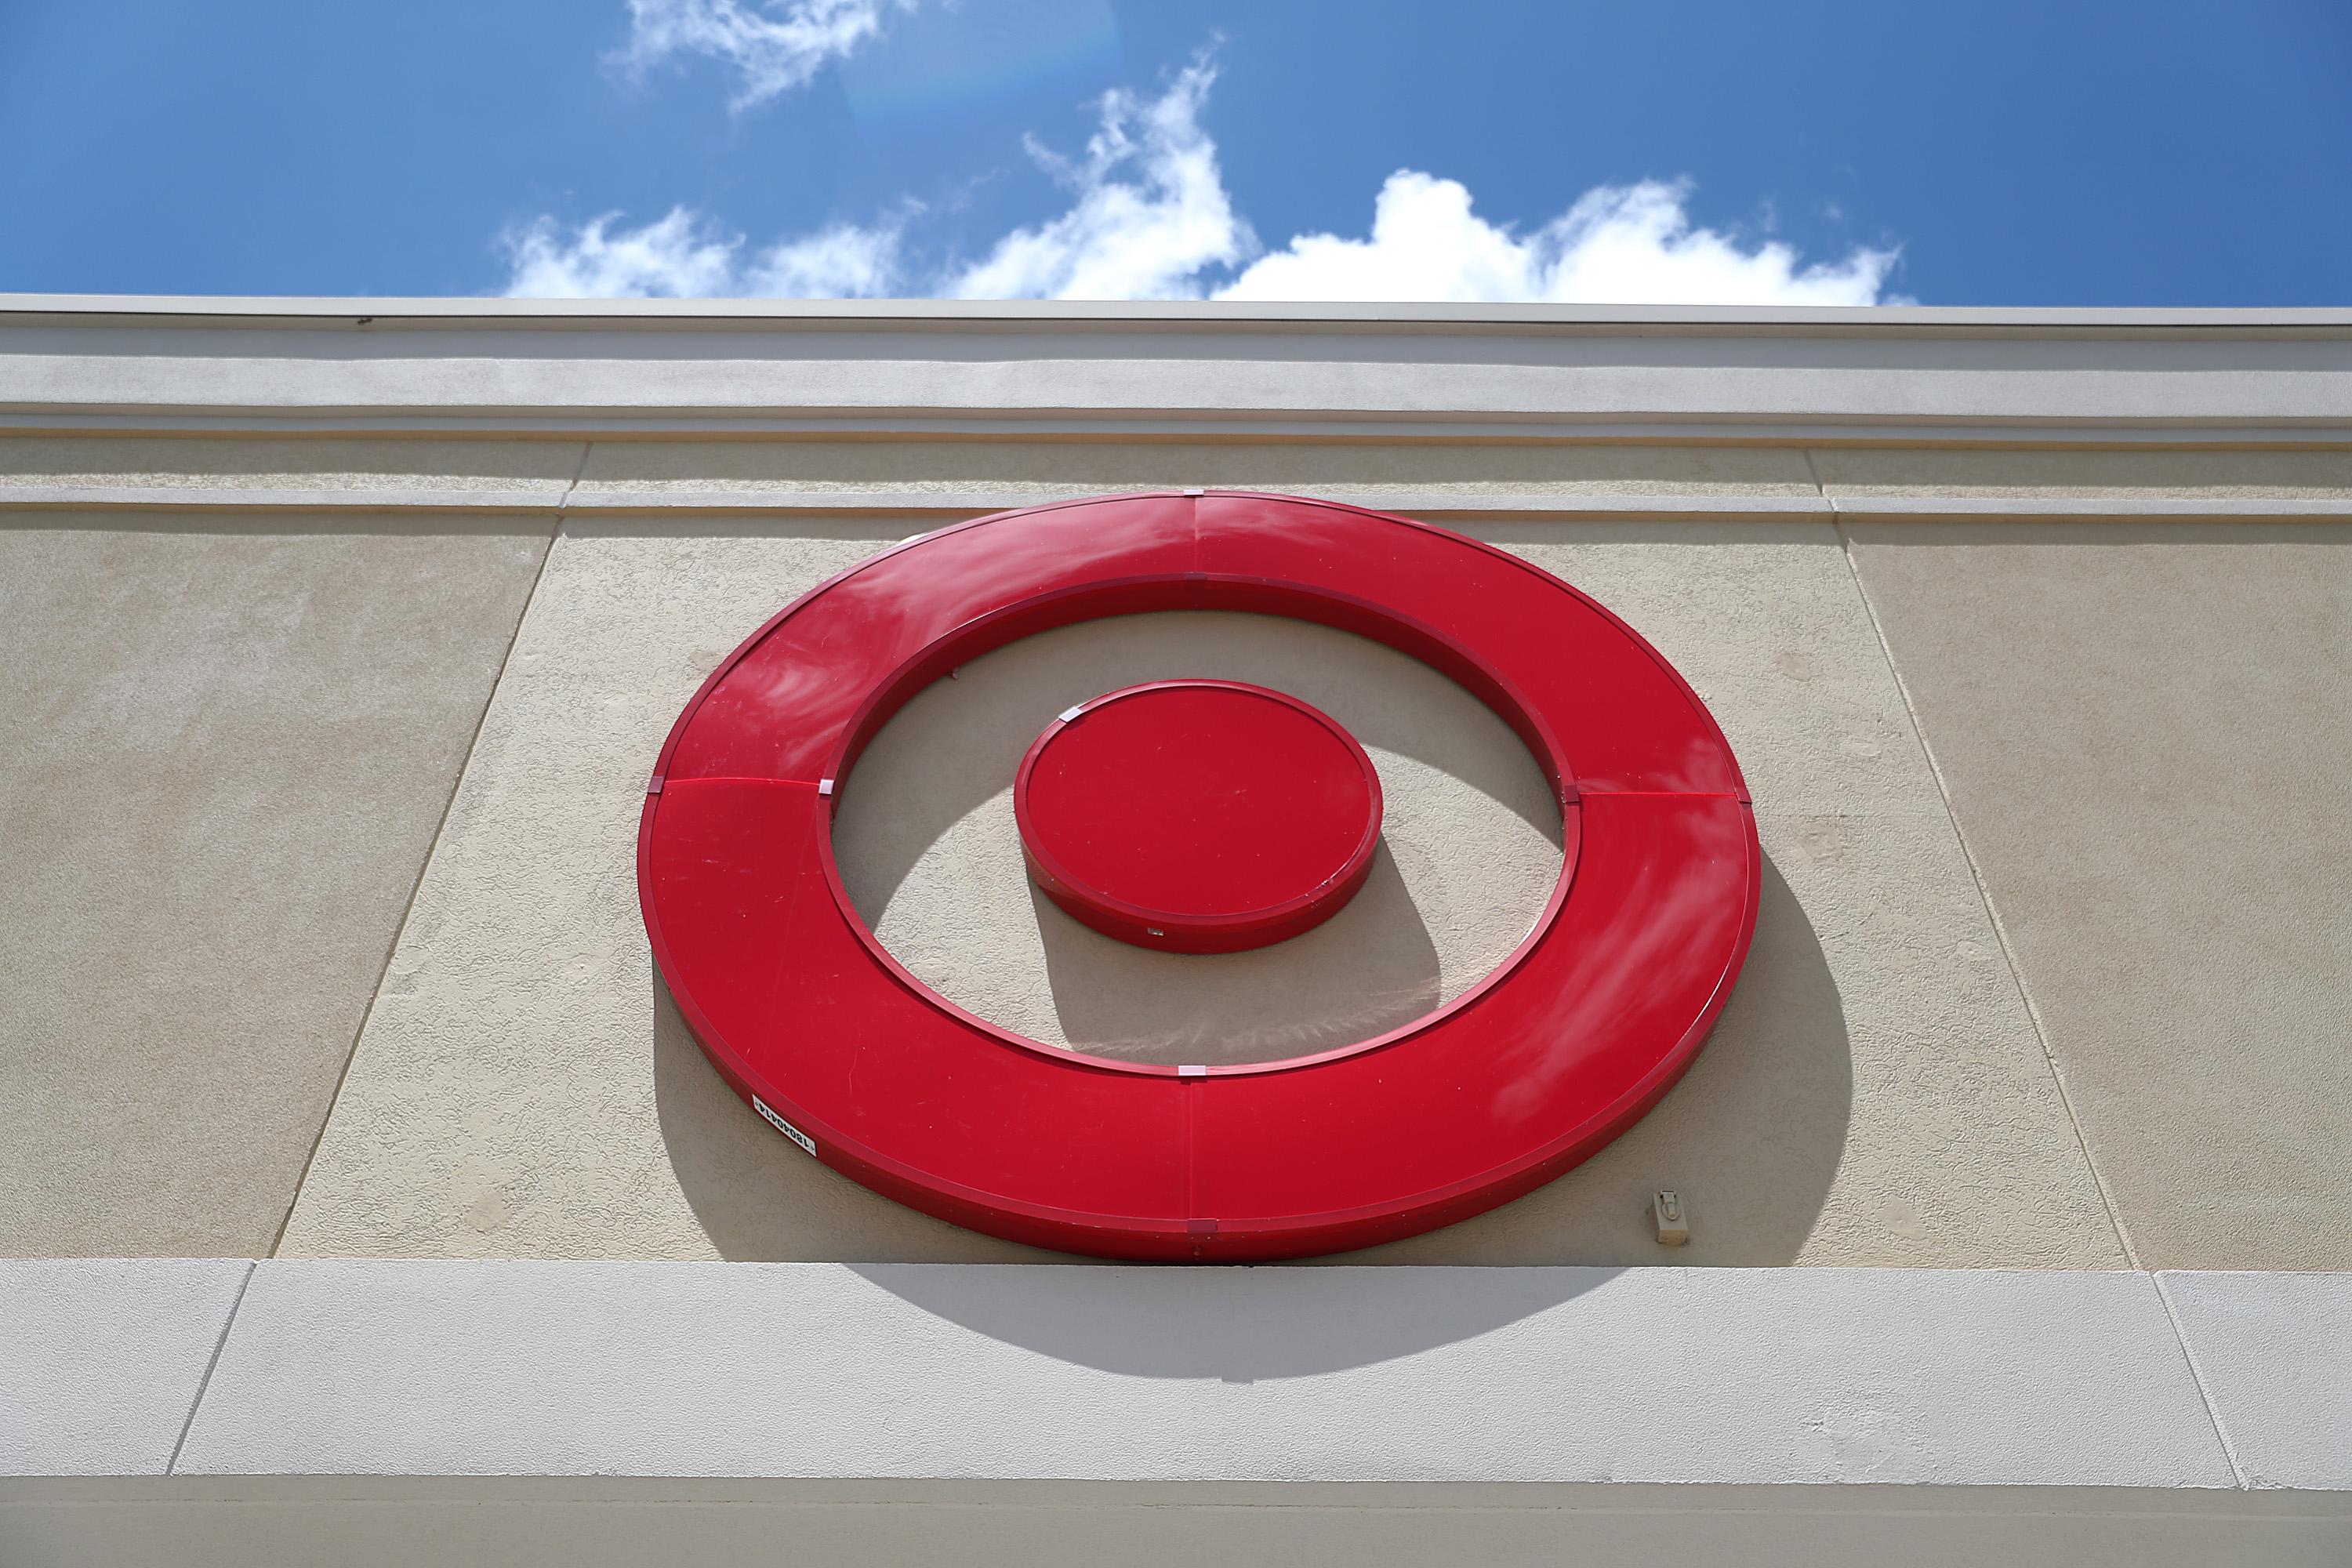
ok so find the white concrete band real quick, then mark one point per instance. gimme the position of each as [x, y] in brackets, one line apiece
[2271, 1351]
[939, 1372]
[101, 1359]
[1807, 375]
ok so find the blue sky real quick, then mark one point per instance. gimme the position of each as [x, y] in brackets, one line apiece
[2156, 152]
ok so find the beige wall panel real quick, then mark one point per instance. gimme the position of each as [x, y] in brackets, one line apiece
[523, 1088]
[2146, 732]
[1875, 1093]
[671, 473]
[227, 751]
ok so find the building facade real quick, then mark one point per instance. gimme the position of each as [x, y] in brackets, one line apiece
[367, 1185]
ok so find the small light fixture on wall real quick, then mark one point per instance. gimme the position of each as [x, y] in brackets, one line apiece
[1672, 1220]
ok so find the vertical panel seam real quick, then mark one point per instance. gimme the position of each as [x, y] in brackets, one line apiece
[171, 1465]
[1976, 872]
[432, 847]
[2197, 1376]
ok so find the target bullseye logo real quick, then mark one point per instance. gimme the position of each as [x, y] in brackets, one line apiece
[1198, 816]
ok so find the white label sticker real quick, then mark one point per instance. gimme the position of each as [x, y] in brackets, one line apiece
[783, 1126]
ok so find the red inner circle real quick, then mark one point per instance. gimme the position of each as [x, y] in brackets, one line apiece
[1199, 800]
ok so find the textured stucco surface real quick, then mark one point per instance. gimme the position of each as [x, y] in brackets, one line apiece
[1875, 1094]
[931, 854]
[2145, 731]
[101, 1360]
[522, 1087]
[1694, 1375]
[2213, 1383]
[2270, 1349]
[229, 746]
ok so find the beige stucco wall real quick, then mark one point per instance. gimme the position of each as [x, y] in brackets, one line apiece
[1876, 1093]
[2145, 730]
[229, 746]
[2051, 968]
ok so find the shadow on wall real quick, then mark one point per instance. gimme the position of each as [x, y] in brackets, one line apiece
[1237, 1325]
[760, 1199]
[1751, 1137]
[931, 853]
[1379, 970]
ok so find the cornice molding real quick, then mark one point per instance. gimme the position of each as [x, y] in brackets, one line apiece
[1175, 371]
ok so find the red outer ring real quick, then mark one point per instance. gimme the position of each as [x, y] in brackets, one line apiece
[1175, 930]
[1587, 1023]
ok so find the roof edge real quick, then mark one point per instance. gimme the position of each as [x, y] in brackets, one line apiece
[322, 311]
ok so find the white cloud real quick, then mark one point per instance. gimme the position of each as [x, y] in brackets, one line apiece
[1619, 245]
[674, 256]
[774, 44]
[844, 262]
[1149, 218]
[681, 255]
[1149, 213]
